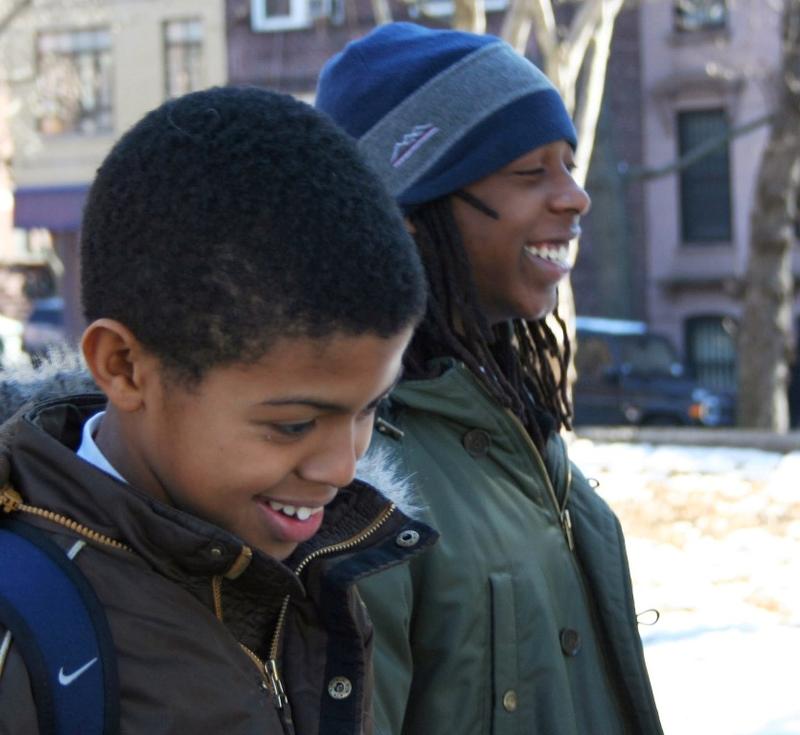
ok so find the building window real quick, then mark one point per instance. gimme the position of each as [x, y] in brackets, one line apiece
[705, 186]
[446, 8]
[279, 15]
[75, 81]
[183, 56]
[711, 351]
[700, 15]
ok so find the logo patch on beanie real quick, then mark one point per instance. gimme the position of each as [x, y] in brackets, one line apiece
[411, 143]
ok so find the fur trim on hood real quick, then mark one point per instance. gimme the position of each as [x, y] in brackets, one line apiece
[64, 372]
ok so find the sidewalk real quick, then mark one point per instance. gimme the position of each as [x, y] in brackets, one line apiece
[726, 681]
[693, 436]
[713, 537]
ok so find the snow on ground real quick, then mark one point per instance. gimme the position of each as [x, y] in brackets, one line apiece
[713, 538]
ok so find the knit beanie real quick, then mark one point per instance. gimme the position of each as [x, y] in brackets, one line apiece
[435, 110]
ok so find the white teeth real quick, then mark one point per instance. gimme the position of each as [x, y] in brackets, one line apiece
[302, 513]
[554, 253]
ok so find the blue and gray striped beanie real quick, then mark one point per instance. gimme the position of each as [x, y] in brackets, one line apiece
[434, 110]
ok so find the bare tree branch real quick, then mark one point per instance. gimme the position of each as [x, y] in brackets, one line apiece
[588, 112]
[12, 13]
[546, 32]
[574, 47]
[381, 12]
[470, 15]
[516, 29]
[700, 151]
[537, 15]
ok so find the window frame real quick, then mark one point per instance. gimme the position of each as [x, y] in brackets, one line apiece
[167, 45]
[299, 17]
[726, 370]
[689, 235]
[446, 8]
[98, 56]
[703, 25]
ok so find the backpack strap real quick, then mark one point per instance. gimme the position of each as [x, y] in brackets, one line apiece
[60, 628]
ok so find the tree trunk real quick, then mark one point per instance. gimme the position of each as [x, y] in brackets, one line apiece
[381, 12]
[765, 337]
[470, 15]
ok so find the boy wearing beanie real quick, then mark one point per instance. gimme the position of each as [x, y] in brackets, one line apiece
[521, 619]
[206, 500]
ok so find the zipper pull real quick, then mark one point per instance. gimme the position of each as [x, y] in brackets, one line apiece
[566, 524]
[271, 668]
[10, 499]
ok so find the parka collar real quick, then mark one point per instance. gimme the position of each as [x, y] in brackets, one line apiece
[175, 543]
[454, 394]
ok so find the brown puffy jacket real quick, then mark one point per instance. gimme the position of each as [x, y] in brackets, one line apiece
[194, 614]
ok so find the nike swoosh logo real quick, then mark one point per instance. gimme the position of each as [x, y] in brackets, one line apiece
[66, 679]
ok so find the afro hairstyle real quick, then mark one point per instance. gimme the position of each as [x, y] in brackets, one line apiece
[232, 217]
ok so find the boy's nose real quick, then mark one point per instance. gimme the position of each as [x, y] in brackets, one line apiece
[334, 462]
[571, 197]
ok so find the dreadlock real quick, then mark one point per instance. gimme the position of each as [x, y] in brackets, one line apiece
[520, 363]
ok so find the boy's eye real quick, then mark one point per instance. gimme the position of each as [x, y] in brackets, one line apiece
[369, 411]
[289, 431]
[532, 172]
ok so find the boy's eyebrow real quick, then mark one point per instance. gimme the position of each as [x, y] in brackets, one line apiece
[327, 405]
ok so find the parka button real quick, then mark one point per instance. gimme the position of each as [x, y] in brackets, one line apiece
[407, 538]
[510, 701]
[570, 641]
[340, 687]
[477, 443]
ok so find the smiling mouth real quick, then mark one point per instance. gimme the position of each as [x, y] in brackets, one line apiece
[300, 512]
[557, 253]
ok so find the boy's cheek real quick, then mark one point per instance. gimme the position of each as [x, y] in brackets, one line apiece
[363, 440]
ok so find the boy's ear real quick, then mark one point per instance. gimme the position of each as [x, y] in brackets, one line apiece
[118, 362]
[410, 226]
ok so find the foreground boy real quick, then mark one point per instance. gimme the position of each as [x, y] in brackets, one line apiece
[250, 292]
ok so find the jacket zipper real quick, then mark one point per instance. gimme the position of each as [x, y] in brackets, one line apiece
[562, 512]
[269, 668]
[564, 517]
[11, 502]
[566, 524]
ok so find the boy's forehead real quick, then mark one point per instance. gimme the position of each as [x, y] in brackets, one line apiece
[293, 348]
[298, 367]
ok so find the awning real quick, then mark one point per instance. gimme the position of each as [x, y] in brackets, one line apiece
[58, 208]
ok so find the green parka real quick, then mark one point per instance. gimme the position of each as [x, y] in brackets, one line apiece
[521, 619]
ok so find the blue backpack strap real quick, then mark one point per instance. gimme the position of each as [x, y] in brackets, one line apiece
[61, 631]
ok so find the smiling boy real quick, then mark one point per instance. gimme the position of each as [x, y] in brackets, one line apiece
[522, 616]
[250, 290]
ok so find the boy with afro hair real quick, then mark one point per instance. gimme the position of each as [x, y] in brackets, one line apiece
[250, 290]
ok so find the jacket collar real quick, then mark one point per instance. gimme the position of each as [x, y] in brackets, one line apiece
[454, 394]
[175, 543]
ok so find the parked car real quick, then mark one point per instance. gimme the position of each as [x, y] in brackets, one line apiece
[44, 328]
[629, 375]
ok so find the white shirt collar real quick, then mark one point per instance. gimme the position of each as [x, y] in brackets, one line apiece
[89, 452]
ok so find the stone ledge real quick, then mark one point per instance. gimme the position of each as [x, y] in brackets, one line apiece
[694, 437]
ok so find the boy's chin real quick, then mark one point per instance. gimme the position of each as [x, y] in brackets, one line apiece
[278, 550]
